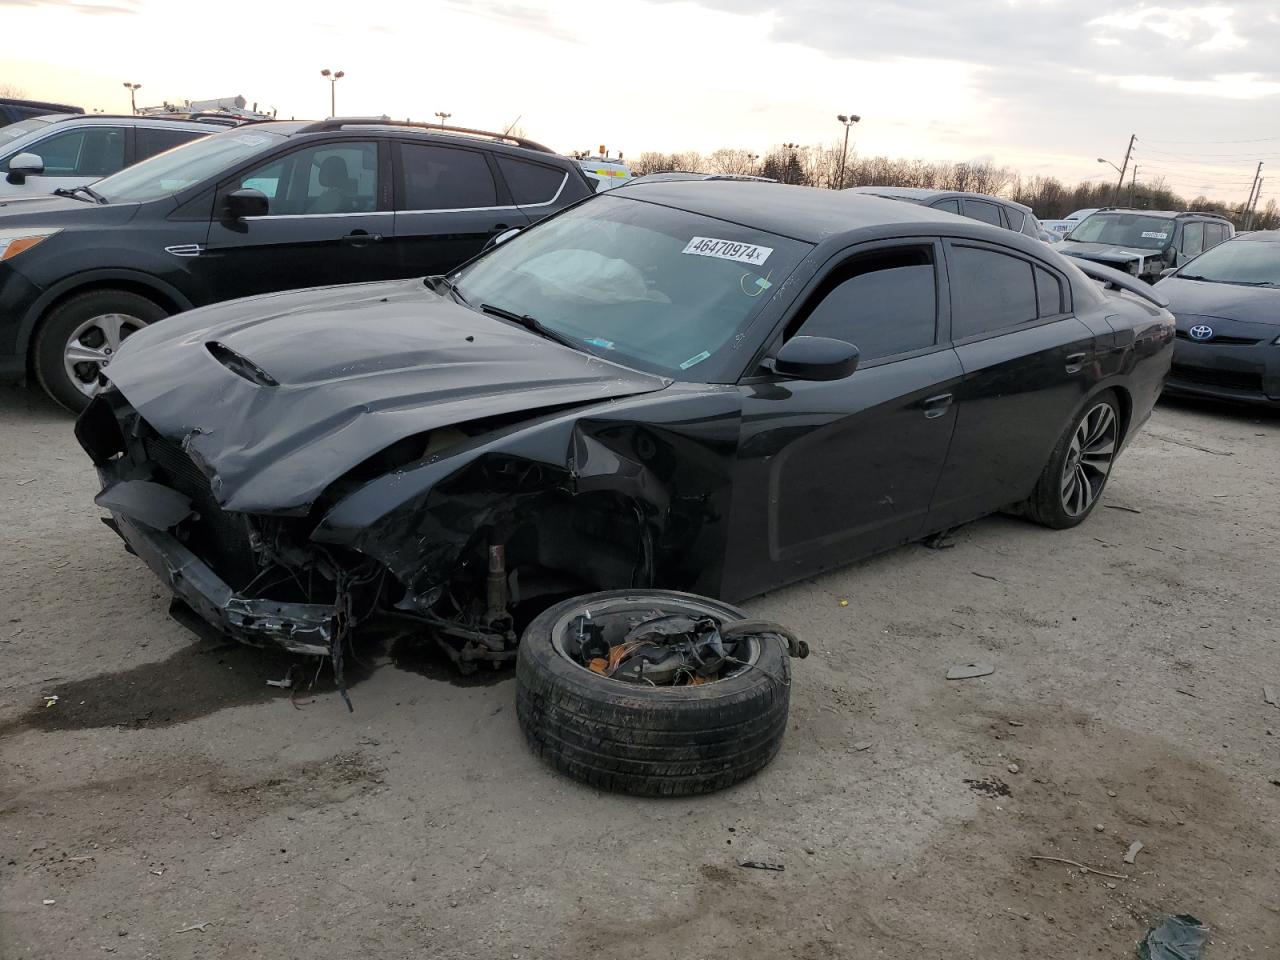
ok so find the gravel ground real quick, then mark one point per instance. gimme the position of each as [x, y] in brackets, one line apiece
[171, 805]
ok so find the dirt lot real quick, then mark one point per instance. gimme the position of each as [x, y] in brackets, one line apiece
[169, 787]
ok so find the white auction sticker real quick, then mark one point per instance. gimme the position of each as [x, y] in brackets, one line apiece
[1154, 235]
[728, 250]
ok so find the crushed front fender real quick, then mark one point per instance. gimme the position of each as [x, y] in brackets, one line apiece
[301, 628]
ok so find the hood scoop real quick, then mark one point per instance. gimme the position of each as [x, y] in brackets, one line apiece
[240, 365]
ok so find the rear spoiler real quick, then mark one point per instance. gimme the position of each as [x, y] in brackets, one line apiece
[1114, 279]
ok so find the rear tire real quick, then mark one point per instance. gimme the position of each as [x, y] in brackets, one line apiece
[81, 335]
[648, 740]
[1076, 475]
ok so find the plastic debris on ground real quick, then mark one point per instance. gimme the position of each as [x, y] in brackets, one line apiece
[1176, 938]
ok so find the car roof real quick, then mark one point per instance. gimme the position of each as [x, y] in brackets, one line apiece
[927, 193]
[431, 132]
[114, 119]
[1173, 214]
[810, 214]
[1272, 235]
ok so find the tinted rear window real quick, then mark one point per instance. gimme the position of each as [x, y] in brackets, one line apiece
[445, 178]
[150, 141]
[989, 291]
[530, 183]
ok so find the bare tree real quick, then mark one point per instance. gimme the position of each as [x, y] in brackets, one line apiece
[12, 90]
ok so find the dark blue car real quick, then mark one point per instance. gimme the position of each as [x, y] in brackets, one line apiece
[1227, 304]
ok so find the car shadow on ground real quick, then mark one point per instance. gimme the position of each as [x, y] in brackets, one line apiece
[1223, 409]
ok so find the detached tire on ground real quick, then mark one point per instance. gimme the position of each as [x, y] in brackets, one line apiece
[649, 740]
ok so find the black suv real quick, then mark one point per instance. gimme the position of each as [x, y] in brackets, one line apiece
[1145, 243]
[260, 208]
[12, 109]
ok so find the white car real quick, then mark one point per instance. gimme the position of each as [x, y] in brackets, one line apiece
[1068, 223]
[604, 173]
[67, 150]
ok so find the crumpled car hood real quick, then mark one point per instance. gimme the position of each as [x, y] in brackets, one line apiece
[300, 387]
[1104, 252]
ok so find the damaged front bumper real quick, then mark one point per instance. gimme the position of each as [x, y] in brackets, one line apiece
[302, 628]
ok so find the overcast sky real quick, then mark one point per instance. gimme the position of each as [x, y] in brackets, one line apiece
[1042, 85]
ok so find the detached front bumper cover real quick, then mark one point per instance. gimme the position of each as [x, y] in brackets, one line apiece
[302, 628]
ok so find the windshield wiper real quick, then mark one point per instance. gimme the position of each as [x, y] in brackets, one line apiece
[530, 323]
[93, 195]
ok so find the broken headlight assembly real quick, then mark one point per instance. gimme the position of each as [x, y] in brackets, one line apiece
[22, 239]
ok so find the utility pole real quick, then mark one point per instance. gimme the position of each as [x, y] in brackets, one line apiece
[848, 120]
[1115, 194]
[1254, 189]
[1254, 206]
[1133, 184]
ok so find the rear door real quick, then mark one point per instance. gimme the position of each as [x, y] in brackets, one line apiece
[1028, 363]
[449, 201]
[829, 471]
[328, 221]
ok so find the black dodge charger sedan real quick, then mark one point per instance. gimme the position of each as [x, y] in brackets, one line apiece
[706, 385]
[1227, 305]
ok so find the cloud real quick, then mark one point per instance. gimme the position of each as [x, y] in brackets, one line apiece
[521, 16]
[79, 6]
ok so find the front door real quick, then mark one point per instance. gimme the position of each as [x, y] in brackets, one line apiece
[448, 205]
[74, 157]
[1028, 363]
[327, 222]
[831, 471]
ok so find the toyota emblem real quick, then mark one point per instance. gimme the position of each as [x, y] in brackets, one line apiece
[1201, 331]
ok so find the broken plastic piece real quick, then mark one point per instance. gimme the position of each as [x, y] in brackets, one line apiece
[970, 670]
[761, 865]
[1134, 848]
[1176, 938]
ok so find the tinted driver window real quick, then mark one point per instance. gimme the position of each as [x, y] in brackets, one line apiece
[92, 152]
[989, 291]
[883, 303]
[981, 210]
[332, 178]
[444, 178]
[1193, 238]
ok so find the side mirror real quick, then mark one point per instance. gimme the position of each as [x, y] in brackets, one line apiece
[816, 358]
[247, 202]
[1170, 256]
[24, 165]
[500, 238]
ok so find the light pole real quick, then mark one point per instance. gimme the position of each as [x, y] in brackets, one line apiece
[333, 78]
[848, 122]
[443, 117]
[1110, 164]
[791, 163]
[133, 102]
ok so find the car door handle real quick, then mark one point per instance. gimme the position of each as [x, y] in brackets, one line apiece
[358, 238]
[936, 406]
[499, 228]
[1075, 362]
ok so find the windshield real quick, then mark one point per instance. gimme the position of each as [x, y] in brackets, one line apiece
[1125, 230]
[1254, 263]
[176, 169]
[649, 286]
[13, 131]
